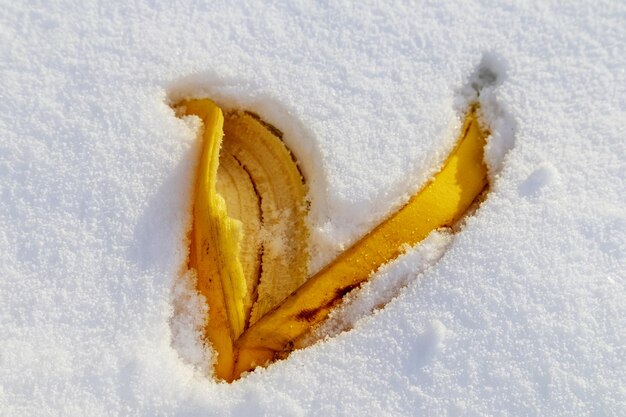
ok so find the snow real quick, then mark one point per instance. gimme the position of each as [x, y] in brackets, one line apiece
[522, 314]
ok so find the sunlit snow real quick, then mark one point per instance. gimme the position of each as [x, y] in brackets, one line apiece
[521, 313]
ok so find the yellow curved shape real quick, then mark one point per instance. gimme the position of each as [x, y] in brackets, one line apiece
[280, 233]
[442, 202]
[249, 235]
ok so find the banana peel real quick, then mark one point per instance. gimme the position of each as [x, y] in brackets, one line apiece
[249, 235]
[441, 203]
[214, 235]
[280, 235]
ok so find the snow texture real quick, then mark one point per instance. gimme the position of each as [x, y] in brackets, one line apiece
[523, 314]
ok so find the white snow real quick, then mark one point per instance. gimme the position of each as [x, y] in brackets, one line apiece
[523, 314]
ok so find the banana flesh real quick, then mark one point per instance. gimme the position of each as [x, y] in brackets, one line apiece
[442, 202]
[249, 236]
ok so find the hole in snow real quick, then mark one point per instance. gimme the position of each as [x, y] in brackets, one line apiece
[249, 238]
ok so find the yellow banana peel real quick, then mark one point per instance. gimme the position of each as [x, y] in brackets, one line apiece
[249, 235]
[442, 202]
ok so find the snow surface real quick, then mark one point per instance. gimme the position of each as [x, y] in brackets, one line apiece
[525, 312]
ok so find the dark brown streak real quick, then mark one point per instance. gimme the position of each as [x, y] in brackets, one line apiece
[255, 293]
[256, 191]
[275, 131]
[279, 134]
[310, 314]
